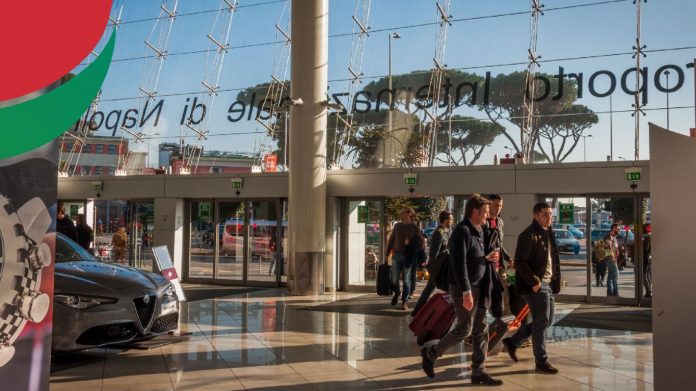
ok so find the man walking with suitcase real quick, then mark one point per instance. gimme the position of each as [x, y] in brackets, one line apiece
[538, 278]
[470, 289]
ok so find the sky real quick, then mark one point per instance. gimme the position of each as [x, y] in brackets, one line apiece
[580, 36]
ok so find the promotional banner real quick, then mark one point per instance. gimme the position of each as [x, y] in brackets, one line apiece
[43, 94]
[28, 190]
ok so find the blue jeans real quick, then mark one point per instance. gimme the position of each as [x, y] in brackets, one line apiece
[612, 278]
[541, 307]
[399, 268]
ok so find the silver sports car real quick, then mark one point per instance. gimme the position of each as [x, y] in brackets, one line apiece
[97, 303]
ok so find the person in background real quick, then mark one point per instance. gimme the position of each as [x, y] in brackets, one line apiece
[438, 245]
[647, 260]
[403, 233]
[85, 234]
[64, 225]
[119, 242]
[611, 245]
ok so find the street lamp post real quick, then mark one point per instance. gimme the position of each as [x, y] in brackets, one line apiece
[666, 72]
[391, 94]
[584, 146]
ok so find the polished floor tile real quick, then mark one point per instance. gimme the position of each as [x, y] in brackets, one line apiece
[267, 340]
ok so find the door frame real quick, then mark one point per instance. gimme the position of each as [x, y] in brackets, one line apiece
[244, 281]
[343, 243]
[637, 261]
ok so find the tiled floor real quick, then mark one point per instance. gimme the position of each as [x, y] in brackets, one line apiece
[264, 341]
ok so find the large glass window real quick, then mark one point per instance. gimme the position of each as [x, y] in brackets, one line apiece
[231, 244]
[569, 228]
[262, 231]
[618, 263]
[203, 240]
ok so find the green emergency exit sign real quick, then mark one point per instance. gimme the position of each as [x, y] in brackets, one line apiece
[566, 213]
[236, 183]
[410, 181]
[633, 176]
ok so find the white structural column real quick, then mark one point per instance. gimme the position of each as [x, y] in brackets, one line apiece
[169, 230]
[672, 169]
[307, 193]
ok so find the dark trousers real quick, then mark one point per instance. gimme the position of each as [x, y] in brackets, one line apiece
[468, 322]
[601, 272]
[517, 301]
[414, 268]
[647, 278]
[541, 307]
[424, 296]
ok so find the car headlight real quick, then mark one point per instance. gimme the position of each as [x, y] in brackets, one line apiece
[170, 292]
[80, 302]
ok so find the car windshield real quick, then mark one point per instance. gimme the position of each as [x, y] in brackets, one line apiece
[69, 251]
[563, 234]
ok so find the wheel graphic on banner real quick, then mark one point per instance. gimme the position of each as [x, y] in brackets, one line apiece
[23, 255]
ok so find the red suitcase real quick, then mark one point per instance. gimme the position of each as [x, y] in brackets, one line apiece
[434, 320]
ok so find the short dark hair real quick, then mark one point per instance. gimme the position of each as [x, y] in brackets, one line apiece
[476, 201]
[613, 225]
[444, 215]
[494, 197]
[539, 206]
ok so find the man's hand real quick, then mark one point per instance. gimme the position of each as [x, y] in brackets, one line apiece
[493, 257]
[511, 264]
[536, 287]
[468, 301]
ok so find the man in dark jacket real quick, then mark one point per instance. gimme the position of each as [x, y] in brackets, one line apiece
[493, 234]
[538, 277]
[64, 225]
[470, 289]
[85, 234]
[438, 245]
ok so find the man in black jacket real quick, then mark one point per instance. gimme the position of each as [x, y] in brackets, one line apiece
[538, 278]
[470, 289]
[438, 245]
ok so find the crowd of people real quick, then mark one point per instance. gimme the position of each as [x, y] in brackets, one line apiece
[477, 279]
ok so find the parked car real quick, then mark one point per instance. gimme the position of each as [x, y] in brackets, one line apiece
[600, 234]
[577, 233]
[98, 303]
[565, 242]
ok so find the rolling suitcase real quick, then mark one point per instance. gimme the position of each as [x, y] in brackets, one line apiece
[434, 320]
[499, 330]
[384, 286]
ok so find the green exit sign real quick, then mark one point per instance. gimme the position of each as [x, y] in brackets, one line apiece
[566, 213]
[236, 183]
[410, 179]
[633, 176]
[98, 186]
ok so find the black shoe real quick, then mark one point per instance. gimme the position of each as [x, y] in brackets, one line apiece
[511, 349]
[546, 368]
[395, 299]
[486, 380]
[648, 296]
[427, 364]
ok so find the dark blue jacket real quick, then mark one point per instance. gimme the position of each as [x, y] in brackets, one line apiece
[468, 264]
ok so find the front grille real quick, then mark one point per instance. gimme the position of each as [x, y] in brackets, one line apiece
[165, 323]
[145, 311]
[107, 334]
